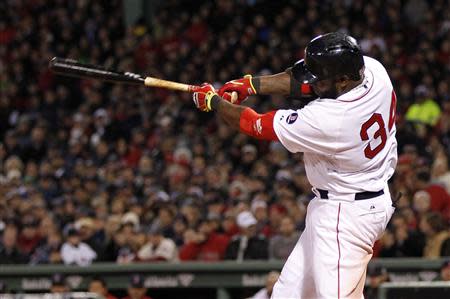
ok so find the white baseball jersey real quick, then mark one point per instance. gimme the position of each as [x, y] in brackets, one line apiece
[349, 143]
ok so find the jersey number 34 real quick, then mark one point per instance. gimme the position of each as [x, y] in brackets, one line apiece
[376, 118]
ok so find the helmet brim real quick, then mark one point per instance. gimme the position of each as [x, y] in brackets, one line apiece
[301, 73]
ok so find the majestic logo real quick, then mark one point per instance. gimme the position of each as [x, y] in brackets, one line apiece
[257, 127]
[292, 118]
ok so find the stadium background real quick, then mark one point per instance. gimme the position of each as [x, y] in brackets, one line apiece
[117, 165]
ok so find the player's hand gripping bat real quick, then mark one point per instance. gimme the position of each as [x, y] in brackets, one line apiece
[73, 68]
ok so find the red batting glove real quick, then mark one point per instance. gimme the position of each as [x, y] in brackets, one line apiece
[244, 88]
[202, 97]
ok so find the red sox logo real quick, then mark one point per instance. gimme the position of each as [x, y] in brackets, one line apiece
[292, 118]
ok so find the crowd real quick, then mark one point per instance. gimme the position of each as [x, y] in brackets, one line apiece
[94, 172]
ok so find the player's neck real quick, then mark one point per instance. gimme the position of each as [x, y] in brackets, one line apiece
[349, 85]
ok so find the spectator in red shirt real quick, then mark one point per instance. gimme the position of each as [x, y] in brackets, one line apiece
[440, 200]
[29, 237]
[136, 288]
[99, 287]
[204, 245]
[228, 224]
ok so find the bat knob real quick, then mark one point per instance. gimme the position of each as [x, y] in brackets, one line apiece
[52, 62]
[234, 97]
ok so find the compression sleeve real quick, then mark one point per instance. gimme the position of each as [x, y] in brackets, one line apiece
[257, 125]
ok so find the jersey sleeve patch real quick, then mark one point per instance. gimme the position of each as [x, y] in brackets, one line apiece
[292, 118]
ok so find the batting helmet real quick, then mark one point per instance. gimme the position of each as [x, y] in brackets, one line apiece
[328, 56]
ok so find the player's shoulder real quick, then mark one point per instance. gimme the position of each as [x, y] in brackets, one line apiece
[370, 61]
[377, 71]
[374, 65]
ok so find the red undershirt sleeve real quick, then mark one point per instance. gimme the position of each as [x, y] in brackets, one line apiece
[257, 125]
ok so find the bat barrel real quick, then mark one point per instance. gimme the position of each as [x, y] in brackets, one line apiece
[73, 68]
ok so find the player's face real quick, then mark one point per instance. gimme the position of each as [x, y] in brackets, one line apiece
[325, 88]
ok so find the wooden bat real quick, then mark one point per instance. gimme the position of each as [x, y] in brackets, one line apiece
[73, 68]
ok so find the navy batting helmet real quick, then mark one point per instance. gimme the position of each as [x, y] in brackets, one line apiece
[329, 56]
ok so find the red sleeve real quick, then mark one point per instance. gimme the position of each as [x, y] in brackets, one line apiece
[189, 251]
[257, 125]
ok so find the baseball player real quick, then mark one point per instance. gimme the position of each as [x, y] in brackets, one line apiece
[347, 135]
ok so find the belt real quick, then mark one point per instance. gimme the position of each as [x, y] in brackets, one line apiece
[358, 196]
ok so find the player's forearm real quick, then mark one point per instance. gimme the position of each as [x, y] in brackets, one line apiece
[230, 113]
[279, 84]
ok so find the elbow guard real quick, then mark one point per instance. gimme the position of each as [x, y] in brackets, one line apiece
[257, 125]
[300, 91]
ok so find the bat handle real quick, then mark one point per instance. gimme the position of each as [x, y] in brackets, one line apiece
[155, 82]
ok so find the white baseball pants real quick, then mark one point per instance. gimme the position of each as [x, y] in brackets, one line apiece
[330, 259]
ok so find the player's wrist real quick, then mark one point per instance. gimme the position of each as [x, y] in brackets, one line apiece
[214, 102]
[253, 83]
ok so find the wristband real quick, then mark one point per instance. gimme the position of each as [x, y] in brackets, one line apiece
[255, 83]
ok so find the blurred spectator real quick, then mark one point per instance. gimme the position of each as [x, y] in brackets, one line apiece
[421, 203]
[276, 213]
[425, 111]
[376, 275]
[281, 245]
[9, 251]
[401, 241]
[228, 224]
[59, 284]
[164, 222]
[98, 286]
[179, 228]
[158, 248]
[75, 252]
[136, 288]
[266, 292]
[89, 235]
[439, 198]
[127, 239]
[49, 252]
[29, 237]
[259, 209]
[248, 245]
[433, 227]
[206, 244]
[444, 274]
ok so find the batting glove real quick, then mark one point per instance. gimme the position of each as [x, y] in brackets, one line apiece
[244, 88]
[202, 97]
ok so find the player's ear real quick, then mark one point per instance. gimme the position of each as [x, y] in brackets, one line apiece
[343, 79]
[342, 82]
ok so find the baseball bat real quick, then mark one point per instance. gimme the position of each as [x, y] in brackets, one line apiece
[73, 68]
